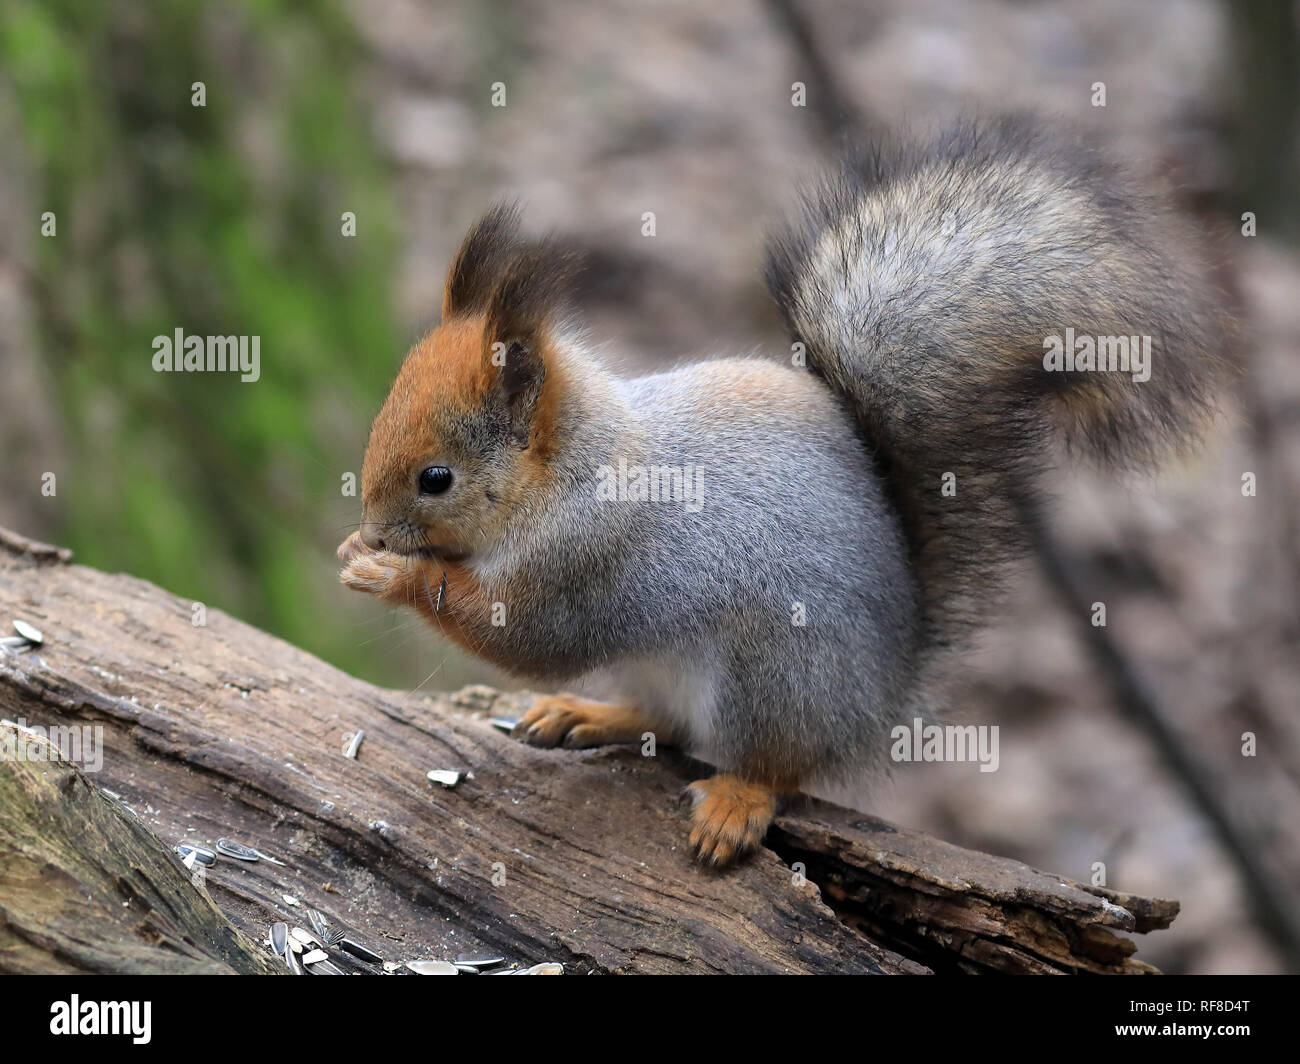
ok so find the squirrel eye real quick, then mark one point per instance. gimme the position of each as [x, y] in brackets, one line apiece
[435, 480]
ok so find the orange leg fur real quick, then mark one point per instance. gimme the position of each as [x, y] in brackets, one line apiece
[577, 723]
[730, 816]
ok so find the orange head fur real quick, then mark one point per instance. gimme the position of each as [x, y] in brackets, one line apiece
[466, 432]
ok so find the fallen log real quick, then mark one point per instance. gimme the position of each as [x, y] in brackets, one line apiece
[538, 855]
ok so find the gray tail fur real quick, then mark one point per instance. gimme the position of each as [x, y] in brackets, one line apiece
[925, 285]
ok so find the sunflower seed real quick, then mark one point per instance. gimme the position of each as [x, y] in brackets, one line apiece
[28, 633]
[305, 937]
[236, 850]
[327, 935]
[279, 937]
[445, 776]
[504, 724]
[314, 957]
[351, 945]
[466, 969]
[479, 960]
[353, 745]
[432, 967]
[318, 923]
[547, 968]
[201, 855]
[291, 958]
[325, 968]
[26, 638]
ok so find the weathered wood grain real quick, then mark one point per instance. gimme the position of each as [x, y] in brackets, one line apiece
[85, 887]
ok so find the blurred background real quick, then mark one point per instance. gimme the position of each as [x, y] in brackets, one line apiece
[227, 218]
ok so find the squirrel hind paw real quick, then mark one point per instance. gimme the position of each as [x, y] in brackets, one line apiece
[729, 817]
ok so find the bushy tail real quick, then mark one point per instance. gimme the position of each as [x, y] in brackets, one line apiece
[926, 287]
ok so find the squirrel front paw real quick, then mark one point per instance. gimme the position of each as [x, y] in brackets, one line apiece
[380, 573]
[352, 547]
[729, 817]
[577, 723]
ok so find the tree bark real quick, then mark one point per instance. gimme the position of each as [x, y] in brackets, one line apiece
[537, 855]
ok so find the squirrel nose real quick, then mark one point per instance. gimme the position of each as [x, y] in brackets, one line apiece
[371, 538]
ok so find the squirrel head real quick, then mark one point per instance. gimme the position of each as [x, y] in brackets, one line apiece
[466, 433]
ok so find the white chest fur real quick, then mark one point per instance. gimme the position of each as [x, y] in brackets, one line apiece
[679, 692]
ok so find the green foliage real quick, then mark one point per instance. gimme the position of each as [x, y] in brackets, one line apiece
[223, 219]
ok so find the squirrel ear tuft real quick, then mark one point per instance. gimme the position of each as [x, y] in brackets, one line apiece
[533, 290]
[484, 256]
[526, 306]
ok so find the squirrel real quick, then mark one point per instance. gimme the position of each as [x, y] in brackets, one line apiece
[783, 618]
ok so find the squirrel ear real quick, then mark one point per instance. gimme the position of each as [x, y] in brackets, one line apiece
[484, 255]
[519, 384]
[522, 316]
